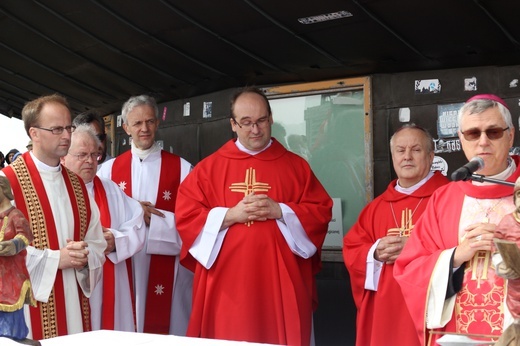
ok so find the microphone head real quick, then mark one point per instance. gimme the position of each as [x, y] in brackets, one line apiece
[464, 172]
[479, 164]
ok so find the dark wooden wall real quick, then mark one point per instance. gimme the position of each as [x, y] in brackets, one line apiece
[393, 91]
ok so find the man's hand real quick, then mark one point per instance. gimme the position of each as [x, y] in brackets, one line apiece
[74, 255]
[149, 209]
[111, 241]
[478, 237]
[261, 208]
[252, 208]
[389, 248]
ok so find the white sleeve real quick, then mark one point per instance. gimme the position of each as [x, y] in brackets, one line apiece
[105, 170]
[373, 272]
[294, 234]
[206, 247]
[163, 237]
[439, 309]
[42, 266]
[89, 277]
[130, 233]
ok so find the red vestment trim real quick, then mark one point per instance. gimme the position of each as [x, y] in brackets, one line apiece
[109, 299]
[49, 319]
[162, 268]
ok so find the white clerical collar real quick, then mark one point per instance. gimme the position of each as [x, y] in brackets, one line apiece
[510, 169]
[43, 166]
[413, 188]
[251, 152]
[143, 154]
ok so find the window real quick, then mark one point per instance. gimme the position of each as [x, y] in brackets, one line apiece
[329, 125]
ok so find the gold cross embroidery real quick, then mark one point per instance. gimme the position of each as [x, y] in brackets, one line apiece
[249, 186]
[479, 266]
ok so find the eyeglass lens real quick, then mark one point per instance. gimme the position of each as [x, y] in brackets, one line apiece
[59, 130]
[494, 133]
[85, 156]
[249, 124]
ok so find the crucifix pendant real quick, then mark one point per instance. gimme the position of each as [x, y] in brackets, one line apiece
[485, 219]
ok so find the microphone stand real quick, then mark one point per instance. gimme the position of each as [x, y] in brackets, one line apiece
[481, 178]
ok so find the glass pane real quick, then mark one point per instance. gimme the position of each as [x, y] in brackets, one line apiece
[328, 131]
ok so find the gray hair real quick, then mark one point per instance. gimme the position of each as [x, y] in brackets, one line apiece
[88, 130]
[428, 139]
[478, 106]
[140, 100]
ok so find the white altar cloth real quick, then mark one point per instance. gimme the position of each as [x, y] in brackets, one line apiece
[116, 338]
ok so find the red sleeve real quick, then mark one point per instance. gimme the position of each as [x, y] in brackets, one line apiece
[191, 211]
[313, 208]
[356, 244]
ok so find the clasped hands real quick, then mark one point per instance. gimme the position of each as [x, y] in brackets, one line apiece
[252, 208]
[389, 248]
[74, 255]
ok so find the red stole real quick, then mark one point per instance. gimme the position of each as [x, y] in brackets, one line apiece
[162, 268]
[49, 319]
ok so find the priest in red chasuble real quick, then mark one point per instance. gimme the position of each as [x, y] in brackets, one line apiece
[375, 241]
[253, 218]
[446, 269]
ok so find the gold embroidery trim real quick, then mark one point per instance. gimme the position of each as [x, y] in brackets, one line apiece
[39, 229]
[83, 224]
[249, 186]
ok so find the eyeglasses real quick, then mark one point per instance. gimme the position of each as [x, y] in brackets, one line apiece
[260, 123]
[58, 130]
[493, 133]
[85, 156]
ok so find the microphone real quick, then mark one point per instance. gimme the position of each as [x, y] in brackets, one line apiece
[464, 172]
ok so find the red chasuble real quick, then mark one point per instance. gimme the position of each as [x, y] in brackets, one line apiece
[49, 319]
[380, 312]
[257, 290]
[162, 267]
[479, 305]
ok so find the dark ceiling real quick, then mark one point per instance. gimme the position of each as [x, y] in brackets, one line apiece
[98, 53]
